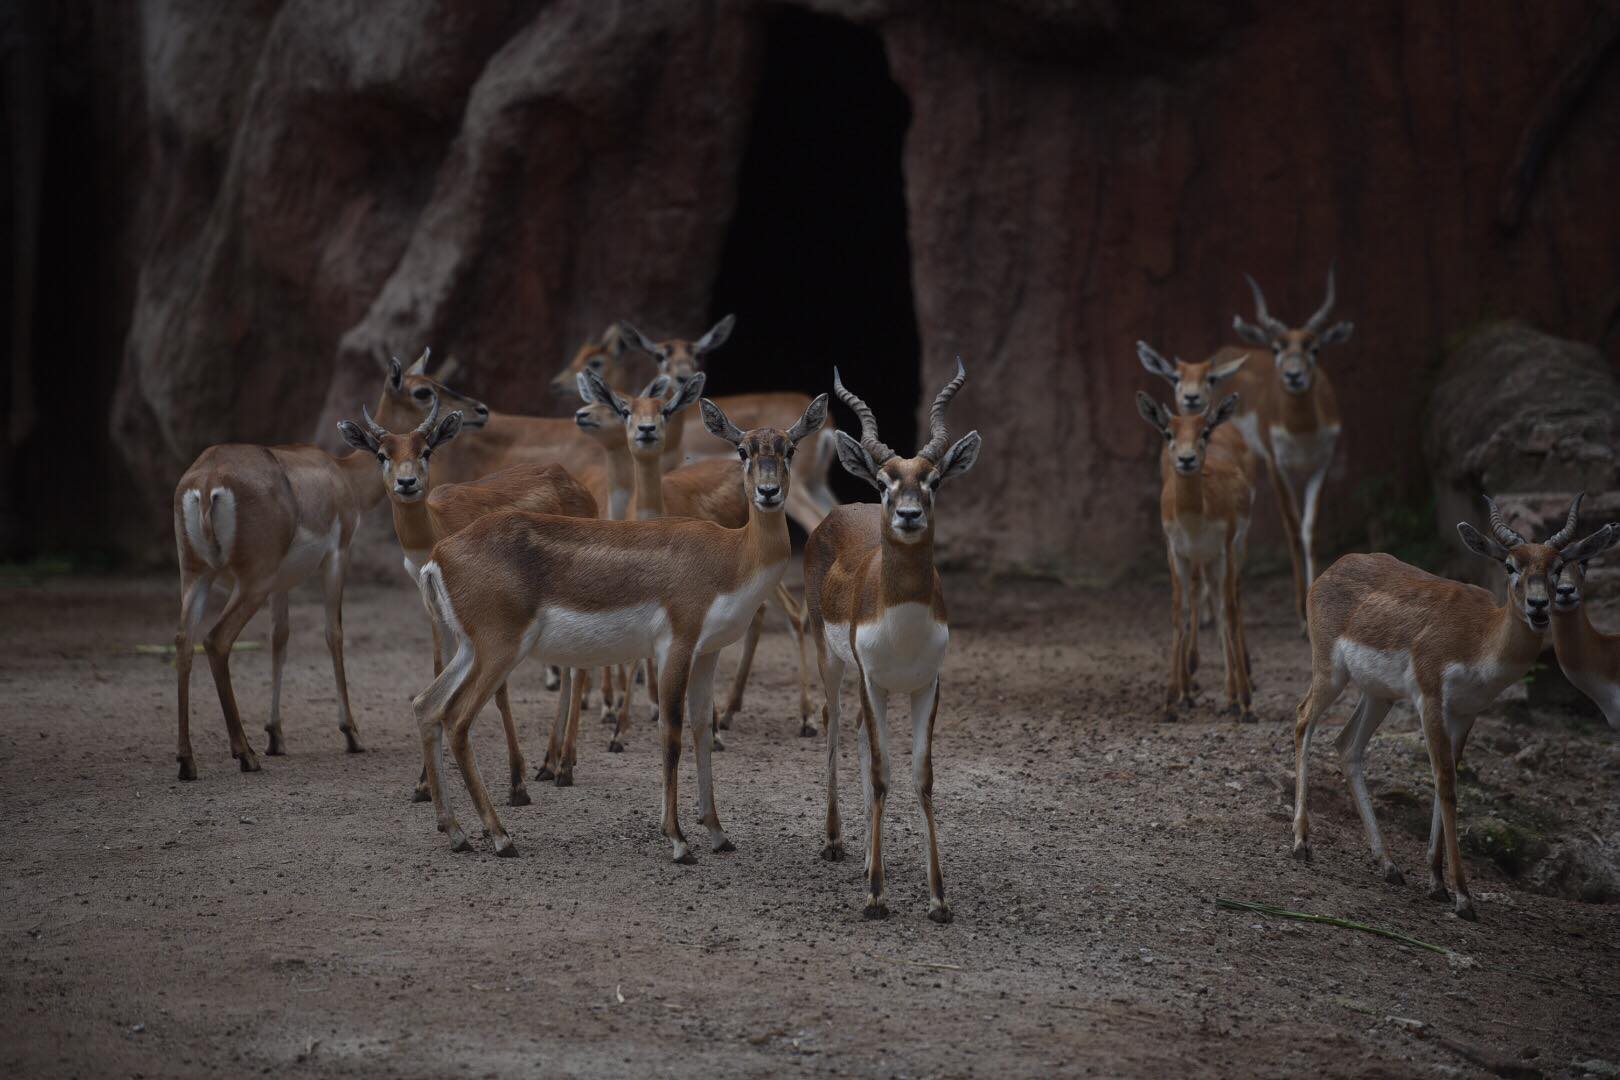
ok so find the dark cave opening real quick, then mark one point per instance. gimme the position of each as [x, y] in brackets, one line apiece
[816, 263]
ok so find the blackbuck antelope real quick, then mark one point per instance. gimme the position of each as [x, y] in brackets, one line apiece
[873, 599]
[425, 513]
[259, 520]
[1204, 503]
[1398, 633]
[1291, 417]
[590, 593]
[681, 359]
[1590, 658]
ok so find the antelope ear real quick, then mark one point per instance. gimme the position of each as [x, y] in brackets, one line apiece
[690, 392]
[593, 388]
[657, 388]
[810, 422]
[1153, 412]
[717, 335]
[396, 372]
[1227, 370]
[1250, 332]
[720, 426]
[420, 367]
[357, 436]
[1480, 544]
[1338, 333]
[1156, 364]
[448, 429]
[856, 461]
[634, 339]
[1223, 412]
[1592, 546]
[961, 457]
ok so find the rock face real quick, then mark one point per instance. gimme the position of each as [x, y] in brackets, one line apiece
[325, 182]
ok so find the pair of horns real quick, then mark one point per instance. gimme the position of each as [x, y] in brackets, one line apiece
[1274, 325]
[1508, 538]
[425, 428]
[933, 449]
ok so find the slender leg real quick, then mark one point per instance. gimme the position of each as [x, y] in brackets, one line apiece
[700, 709]
[794, 614]
[832, 684]
[1177, 694]
[676, 670]
[483, 681]
[565, 775]
[1197, 597]
[1445, 737]
[1307, 521]
[552, 762]
[278, 663]
[241, 607]
[924, 711]
[1232, 619]
[874, 709]
[514, 752]
[1352, 747]
[432, 707]
[1289, 509]
[333, 573]
[608, 716]
[744, 664]
[193, 606]
[1326, 686]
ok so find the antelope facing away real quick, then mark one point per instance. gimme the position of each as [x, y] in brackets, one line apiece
[1204, 506]
[1398, 633]
[873, 600]
[590, 593]
[425, 513]
[1291, 418]
[1590, 658]
[704, 489]
[259, 520]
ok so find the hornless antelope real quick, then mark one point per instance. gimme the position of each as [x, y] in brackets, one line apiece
[680, 359]
[1291, 419]
[1590, 658]
[706, 490]
[1204, 509]
[873, 599]
[1397, 632]
[425, 513]
[260, 520]
[589, 593]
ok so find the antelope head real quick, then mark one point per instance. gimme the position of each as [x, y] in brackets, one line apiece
[413, 392]
[1532, 569]
[766, 453]
[1569, 574]
[1194, 383]
[404, 458]
[599, 356]
[1187, 435]
[1293, 349]
[646, 416]
[907, 485]
[677, 358]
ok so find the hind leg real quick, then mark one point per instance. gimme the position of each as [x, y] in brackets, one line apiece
[514, 752]
[1352, 747]
[193, 608]
[278, 662]
[484, 680]
[1326, 686]
[241, 607]
[335, 569]
[700, 706]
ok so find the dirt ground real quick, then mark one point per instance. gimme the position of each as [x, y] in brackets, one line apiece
[309, 920]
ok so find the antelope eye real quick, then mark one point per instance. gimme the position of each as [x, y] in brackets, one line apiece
[422, 393]
[596, 363]
[742, 454]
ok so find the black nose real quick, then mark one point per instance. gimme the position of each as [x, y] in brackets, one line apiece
[405, 483]
[481, 410]
[908, 513]
[769, 491]
[1192, 400]
[1536, 602]
[647, 428]
[1566, 590]
[1189, 459]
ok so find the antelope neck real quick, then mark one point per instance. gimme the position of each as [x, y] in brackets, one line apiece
[649, 485]
[906, 571]
[359, 471]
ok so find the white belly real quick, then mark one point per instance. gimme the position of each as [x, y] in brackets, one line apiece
[1472, 687]
[1303, 451]
[1196, 538]
[729, 615]
[1381, 673]
[903, 650]
[306, 552]
[561, 635]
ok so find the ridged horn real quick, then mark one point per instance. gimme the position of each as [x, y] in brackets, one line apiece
[935, 447]
[1271, 324]
[376, 429]
[1567, 533]
[1504, 535]
[1315, 323]
[869, 429]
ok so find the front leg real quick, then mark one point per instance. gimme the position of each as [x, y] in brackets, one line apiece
[874, 719]
[1288, 508]
[279, 628]
[832, 684]
[924, 711]
[675, 669]
[700, 709]
[1444, 737]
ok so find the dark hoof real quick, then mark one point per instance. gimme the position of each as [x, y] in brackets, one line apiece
[875, 909]
[724, 846]
[807, 730]
[422, 794]
[1302, 852]
[1465, 910]
[1437, 892]
[1169, 717]
[615, 747]
[277, 747]
[833, 852]
[248, 762]
[505, 848]
[715, 743]
[520, 797]
[1247, 716]
[1393, 875]
[723, 722]
[188, 768]
[940, 912]
[686, 858]
[544, 773]
[565, 778]
[459, 841]
[353, 741]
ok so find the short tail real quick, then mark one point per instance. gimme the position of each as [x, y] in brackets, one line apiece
[436, 598]
[208, 515]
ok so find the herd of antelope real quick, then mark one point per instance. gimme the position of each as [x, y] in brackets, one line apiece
[621, 549]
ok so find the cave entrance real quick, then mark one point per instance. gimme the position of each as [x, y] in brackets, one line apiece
[816, 263]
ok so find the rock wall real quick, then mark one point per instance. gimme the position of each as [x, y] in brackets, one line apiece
[324, 182]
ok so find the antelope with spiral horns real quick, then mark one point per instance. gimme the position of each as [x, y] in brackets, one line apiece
[1590, 658]
[873, 601]
[1397, 633]
[1291, 419]
[590, 593]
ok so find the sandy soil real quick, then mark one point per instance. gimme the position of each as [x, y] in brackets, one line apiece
[309, 920]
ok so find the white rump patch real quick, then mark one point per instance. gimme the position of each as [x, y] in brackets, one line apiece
[211, 540]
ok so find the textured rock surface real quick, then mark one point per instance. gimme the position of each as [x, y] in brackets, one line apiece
[323, 181]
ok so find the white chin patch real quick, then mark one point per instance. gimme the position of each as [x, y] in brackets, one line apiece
[908, 536]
